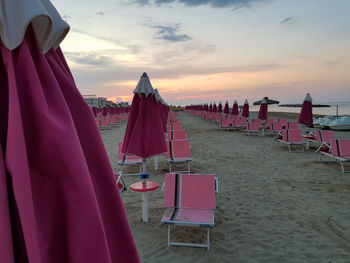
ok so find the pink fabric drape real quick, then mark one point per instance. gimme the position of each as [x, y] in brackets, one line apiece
[53, 159]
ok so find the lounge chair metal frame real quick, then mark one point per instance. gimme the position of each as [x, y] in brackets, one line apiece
[341, 159]
[290, 144]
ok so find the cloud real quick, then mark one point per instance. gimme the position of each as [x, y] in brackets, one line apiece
[213, 3]
[169, 33]
[66, 17]
[89, 59]
[290, 20]
[100, 13]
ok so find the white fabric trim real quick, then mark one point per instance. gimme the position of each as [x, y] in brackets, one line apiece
[246, 101]
[308, 97]
[16, 15]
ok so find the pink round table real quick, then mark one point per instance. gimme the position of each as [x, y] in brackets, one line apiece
[144, 187]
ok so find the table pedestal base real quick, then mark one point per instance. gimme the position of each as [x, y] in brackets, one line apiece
[145, 197]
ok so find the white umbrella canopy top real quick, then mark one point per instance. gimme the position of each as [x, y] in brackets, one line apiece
[47, 24]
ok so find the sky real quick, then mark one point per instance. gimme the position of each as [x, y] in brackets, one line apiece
[197, 51]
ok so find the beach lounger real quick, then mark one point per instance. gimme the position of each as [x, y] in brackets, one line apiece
[290, 125]
[178, 152]
[340, 151]
[224, 123]
[275, 128]
[124, 159]
[104, 124]
[293, 139]
[252, 128]
[176, 135]
[323, 138]
[190, 201]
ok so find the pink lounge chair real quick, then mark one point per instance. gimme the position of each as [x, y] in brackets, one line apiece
[179, 152]
[190, 201]
[275, 128]
[290, 125]
[252, 128]
[104, 124]
[176, 135]
[224, 123]
[292, 138]
[323, 138]
[126, 159]
[340, 151]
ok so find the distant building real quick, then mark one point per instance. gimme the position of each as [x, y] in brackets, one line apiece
[94, 101]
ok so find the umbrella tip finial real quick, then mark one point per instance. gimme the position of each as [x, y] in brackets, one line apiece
[144, 74]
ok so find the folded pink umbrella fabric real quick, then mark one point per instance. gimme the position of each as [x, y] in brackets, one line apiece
[235, 108]
[226, 108]
[263, 110]
[64, 204]
[305, 116]
[220, 108]
[245, 111]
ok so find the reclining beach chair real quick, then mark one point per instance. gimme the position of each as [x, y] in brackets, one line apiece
[290, 125]
[275, 128]
[125, 159]
[252, 128]
[176, 135]
[224, 123]
[340, 151]
[323, 138]
[292, 138]
[190, 201]
[179, 152]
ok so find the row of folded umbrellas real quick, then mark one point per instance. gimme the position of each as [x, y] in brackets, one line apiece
[305, 116]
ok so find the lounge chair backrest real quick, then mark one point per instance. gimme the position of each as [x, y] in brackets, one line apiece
[244, 119]
[326, 135]
[291, 135]
[238, 123]
[340, 147]
[190, 191]
[283, 120]
[292, 125]
[344, 147]
[277, 126]
[225, 123]
[253, 126]
[181, 148]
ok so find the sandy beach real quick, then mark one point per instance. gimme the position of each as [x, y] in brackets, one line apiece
[272, 205]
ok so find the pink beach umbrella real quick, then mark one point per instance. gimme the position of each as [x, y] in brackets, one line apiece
[211, 107]
[235, 108]
[245, 112]
[144, 135]
[305, 116]
[215, 109]
[59, 201]
[263, 110]
[220, 107]
[226, 108]
[163, 110]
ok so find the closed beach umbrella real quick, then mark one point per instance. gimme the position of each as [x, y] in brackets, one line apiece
[263, 110]
[226, 108]
[235, 108]
[163, 110]
[215, 109]
[245, 112]
[59, 201]
[305, 116]
[144, 135]
[211, 107]
[220, 107]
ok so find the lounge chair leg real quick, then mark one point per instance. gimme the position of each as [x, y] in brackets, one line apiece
[169, 167]
[168, 235]
[208, 237]
[189, 169]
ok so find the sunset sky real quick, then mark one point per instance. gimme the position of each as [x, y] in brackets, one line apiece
[198, 51]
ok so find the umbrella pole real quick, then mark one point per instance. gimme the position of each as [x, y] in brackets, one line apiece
[156, 163]
[144, 165]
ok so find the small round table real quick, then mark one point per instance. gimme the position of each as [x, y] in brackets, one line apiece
[144, 187]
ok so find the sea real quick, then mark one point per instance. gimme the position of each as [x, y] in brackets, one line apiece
[343, 108]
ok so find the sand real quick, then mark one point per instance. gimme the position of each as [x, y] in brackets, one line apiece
[272, 205]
